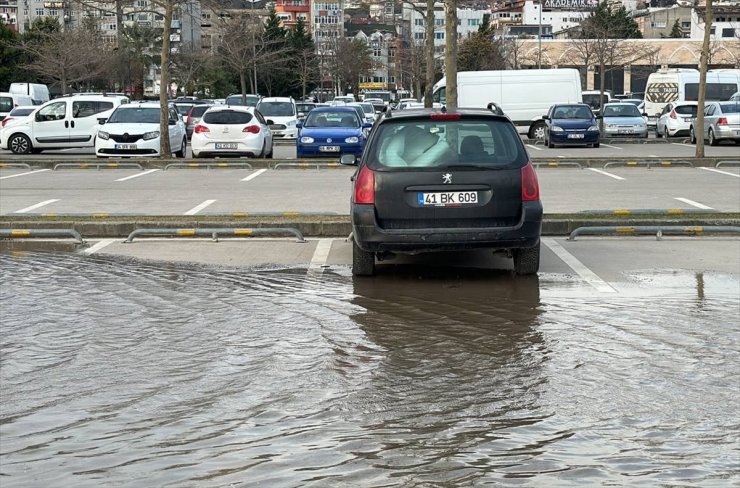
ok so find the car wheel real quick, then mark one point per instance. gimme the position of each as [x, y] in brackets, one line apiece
[272, 150]
[549, 143]
[597, 144]
[183, 149]
[263, 153]
[363, 262]
[20, 144]
[659, 134]
[527, 260]
[666, 134]
[692, 135]
[712, 140]
[537, 131]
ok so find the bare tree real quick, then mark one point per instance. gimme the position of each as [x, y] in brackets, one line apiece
[350, 60]
[306, 64]
[239, 47]
[67, 57]
[703, 63]
[413, 64]
[188, 65]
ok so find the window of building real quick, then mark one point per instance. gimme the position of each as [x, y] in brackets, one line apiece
[377, 53]
[419, 36]
[53, 13]
[439, 35]
[473, 22]
[39, 12]
[141, 3]
[728, 32]
[419, 22]
[439, 22]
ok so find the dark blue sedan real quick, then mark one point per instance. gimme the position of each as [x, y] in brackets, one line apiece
[572, 125]
[331, 131]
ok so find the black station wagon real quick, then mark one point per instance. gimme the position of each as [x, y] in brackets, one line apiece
[432, 180]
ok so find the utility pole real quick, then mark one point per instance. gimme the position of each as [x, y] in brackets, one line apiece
[539, 40]
[699, 131]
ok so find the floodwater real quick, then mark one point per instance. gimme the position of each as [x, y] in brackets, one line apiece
[125, 373]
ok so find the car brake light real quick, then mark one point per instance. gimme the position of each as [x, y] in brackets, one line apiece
[252, 129]
[365, 186]
[673, 114]
[722, 121]
[6, 120]
[445, 116]
[530, 186]
[199, 129]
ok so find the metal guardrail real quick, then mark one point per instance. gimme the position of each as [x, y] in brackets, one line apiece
[316, 165]
[648, 164]
[653, 229]
[13, 233]
[214, 233]
[15, 165]
[727, 163]
[97, 165]
[214, 164]
[557, 164]
[651, 211]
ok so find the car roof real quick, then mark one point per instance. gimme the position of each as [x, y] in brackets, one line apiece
[231, 108]
[416, 112]
[341, 108]
[277, 99]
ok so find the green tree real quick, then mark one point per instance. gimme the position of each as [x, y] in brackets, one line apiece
[616, 22]
[277, 79]
[479, 52]
[10, 54]
[676, 32]
[138, 50]
[303, 60]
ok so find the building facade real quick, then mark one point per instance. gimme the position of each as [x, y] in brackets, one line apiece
[289, 11]
[9, 14]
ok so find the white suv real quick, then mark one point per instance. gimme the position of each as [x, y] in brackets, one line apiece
[66, 122]
[281, 116]
[133, 130]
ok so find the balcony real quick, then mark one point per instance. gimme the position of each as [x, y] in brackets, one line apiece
[292, 8]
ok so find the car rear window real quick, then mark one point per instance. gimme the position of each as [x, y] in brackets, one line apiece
[686, 110]
[199, 110]
[730, 108]
[227, 117]
[6, 104]
[21, 111]
[427, 143]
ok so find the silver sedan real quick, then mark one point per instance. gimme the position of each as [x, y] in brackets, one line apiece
[624, 120]
[721, 122]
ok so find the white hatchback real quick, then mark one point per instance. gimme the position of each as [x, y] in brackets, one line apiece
[232, 131]
[133, 130]
[281, 115]
[675, 119]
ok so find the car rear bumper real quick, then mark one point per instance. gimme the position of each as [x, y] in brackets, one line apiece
[370, 237]
[727, 132]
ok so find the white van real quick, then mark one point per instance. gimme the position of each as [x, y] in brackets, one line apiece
[682, 85]
[9, 101]
[524, 95]
[59, 124]
[38, 93]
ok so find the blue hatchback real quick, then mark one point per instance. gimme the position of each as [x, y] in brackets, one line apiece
[572, 124]
[331, 131]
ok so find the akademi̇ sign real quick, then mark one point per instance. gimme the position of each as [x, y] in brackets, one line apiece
[571, 4]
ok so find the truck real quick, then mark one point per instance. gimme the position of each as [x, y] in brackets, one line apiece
[682, 85]
[39, 93]
[524, 95]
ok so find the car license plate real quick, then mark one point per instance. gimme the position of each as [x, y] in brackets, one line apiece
[126, 147]
[225, 145]
[448, 199]
[625, 131]
[575, 136]
[687, 119]
[329, 148]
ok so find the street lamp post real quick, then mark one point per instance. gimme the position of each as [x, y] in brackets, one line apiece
[539, 41]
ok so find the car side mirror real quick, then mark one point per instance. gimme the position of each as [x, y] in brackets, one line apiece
[644, 114]
[599, 116]
[172, 122]
[545, 117]
[367, 125]
[270, 122]
[301, 114]
[102, 121]
[348, 160]
[299, 125]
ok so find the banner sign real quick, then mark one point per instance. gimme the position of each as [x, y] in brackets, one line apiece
[571, 4]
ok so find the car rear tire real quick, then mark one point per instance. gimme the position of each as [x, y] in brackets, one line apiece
[597, 144]
[183, 149]
[692, 135]
[537, 131]
[272, 150]
[20, 144]
[363, 262]
[527, 260]
[713, 141]
[659, 134]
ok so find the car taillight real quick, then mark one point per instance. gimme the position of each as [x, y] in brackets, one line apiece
[6, 120]
[530, 186]
[252, 129]
[365, 186]
[199, 129]
[722, 121]
[445, 116]
[673, 114]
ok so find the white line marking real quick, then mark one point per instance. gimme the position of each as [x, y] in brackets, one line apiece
[601, 172]
[254, 175]
[695, 204]
[34, 207]
[534, 147]
[562, 157]
[613, 147]
[589, 276]
[682, 144]
[98, 246]
[719, 171]
[321, 254]
[137, 175]
[653, 156]
[23, 174]
[198, 208]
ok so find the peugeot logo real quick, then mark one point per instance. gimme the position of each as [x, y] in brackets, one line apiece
[447, 178]
[328, 140]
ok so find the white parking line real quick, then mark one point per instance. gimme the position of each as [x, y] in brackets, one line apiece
[561, 157]
[137, 175]
[613, 147]
[653, 156]
[23, 174]
[602, 172]
[34, 207]
[695, 204]
[98, 246]
[198, 208]
[254, 175]
[534, 147]
[320, 255]
[682, 144]
[589, 276]
[719, 171]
